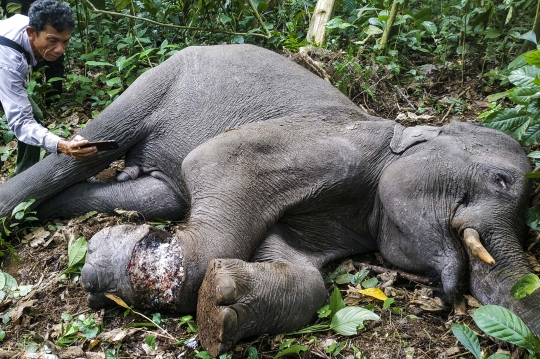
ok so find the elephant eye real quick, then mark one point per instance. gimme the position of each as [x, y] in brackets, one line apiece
[501, 180]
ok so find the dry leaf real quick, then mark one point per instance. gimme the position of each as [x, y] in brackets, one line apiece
[374, 292]
[117, 300]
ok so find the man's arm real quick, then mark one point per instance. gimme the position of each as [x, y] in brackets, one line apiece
[21, 119]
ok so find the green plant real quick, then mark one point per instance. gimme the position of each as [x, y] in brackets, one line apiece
[525, 286]
[523, 120]
[77, 249]
[343, 320]
[15, 225]
[502, 324]
[73, 329]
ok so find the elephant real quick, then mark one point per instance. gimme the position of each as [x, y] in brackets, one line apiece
[276, 173]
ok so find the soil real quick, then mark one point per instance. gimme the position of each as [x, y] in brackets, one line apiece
[417, 324]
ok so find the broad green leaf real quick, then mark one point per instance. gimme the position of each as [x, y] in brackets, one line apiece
[524, 95]
[524, 286]
[524, 76]
[22, 206]
[344, 278]
[2, 334]
[336, 302]
[349, 319]
[531, 135]
[10, 283]
[497, 96]
[89, 332]
[370, 283]
[504, 325]
[293, 349]
[77, 251]
[372, 30]
[532, 57]
[468, 339]
[499, 356]
[530, 36]
[534, 154]
[324, 311]
[508, 120]
[98, 63]
[430, 26]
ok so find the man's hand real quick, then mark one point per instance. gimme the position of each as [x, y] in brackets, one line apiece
[73, 148]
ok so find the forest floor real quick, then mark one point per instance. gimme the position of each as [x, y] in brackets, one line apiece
[416, 325]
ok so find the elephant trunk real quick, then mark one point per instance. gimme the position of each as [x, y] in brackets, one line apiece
[491, 283]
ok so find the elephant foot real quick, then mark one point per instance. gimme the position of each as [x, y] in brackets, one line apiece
[239, 300]
[139, 264]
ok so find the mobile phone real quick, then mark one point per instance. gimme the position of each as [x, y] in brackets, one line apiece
[102, 145]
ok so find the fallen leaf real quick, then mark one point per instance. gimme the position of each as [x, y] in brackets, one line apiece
[18, 311]
[37, 237]
[117, 300]
[374, 292]
[116, 335]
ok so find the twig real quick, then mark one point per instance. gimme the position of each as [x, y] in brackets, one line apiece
[189, 28]
[412, 277]
[452, 105]
[405, 97]
[258, 16]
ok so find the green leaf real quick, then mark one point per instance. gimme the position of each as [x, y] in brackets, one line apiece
[499, 356]
[77, 251]
[508, 120]
[252, 353]
[370, 283]
[2, 334]
[344, 278]
[497, 96]
[524, 95]
[387, 303]
[98, 63]
[524, 76]
[293, 349]
[2, 280]
[10, 283]
[151, 341]
[532, 57]
[430, 26]
[468, 339]
[525, 286]
[531, 135]
[336, 302]
[347, 320]
[504, 325]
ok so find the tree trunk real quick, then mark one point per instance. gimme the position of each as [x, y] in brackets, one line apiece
[389, 23]
[317, 27]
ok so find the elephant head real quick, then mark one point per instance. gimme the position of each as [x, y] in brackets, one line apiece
[453, 204]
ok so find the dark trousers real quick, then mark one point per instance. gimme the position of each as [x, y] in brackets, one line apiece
[27, 155]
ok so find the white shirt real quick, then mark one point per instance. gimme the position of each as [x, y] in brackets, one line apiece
[14, 75]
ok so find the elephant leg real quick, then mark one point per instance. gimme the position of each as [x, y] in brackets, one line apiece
[240, 299]
[147, 195]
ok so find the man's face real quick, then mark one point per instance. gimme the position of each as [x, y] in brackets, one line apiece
[49, 44]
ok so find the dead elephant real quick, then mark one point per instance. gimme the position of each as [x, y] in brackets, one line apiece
[270, 202]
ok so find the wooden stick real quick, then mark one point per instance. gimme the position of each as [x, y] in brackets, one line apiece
[408, 276]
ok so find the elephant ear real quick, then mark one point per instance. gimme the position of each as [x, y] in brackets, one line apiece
[407, 137]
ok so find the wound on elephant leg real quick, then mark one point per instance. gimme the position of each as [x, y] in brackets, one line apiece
[156, 271]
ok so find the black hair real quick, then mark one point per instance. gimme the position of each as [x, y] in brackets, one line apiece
[53, 13]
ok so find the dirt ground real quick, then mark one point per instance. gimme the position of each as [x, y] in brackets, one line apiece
[417, 324]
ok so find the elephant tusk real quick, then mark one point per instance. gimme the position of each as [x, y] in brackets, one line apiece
[471, 238]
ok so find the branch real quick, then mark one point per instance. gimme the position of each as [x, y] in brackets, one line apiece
[189, 28]
[268, 35]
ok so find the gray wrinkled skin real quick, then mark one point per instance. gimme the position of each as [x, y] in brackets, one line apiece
[304, 178]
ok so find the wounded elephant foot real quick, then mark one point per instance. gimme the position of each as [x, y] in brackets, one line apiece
[239, 299]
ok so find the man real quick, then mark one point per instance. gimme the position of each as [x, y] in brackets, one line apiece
[52, 69]
[44, 34]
